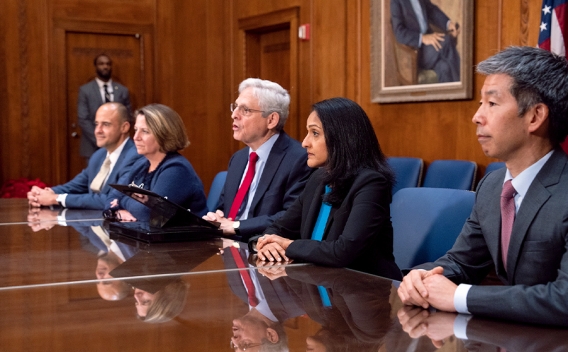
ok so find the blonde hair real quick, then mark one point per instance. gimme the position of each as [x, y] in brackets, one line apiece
[168, 303]
[166, 125]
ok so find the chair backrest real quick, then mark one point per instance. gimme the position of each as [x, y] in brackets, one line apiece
[426, 222]
[408, 172]
[456, 174]
[494, 166]
[215, 190]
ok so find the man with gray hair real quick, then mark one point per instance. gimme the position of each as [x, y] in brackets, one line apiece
[518, 226]
[267, 176]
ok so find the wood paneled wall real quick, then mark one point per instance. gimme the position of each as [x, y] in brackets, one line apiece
[197, 67]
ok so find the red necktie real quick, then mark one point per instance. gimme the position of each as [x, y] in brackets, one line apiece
[253, 157]
[507, 218]
[253, 301]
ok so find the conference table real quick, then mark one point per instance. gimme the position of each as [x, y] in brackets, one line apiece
[67, 286]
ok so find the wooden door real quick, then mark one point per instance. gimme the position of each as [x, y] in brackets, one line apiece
[271, 52]
[126, 53]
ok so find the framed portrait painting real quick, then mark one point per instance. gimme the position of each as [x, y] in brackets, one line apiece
[421, 50]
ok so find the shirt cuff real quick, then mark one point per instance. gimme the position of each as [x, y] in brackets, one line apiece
[61, 199]
[460, 326]
[460, 298]
[61, 220]
[420, 40]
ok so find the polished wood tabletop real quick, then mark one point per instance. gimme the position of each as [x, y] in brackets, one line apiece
[64, 286]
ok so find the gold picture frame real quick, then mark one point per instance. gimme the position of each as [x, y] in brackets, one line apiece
[402, 70]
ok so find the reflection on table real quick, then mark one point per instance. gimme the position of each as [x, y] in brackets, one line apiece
[74, 287]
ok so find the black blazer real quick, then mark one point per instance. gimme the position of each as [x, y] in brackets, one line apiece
[281, 182]
[358, 234]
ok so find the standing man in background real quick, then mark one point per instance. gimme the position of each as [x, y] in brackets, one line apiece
[252, 199]
[94, 94]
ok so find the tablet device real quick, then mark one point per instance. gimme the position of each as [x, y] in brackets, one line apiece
[169, 222]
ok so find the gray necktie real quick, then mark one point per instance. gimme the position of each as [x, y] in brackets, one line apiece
[99, 180]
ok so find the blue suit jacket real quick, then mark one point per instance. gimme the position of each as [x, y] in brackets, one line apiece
[282, 180]
[80, 195]
[88, 103]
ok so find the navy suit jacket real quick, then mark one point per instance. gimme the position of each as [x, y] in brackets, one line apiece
[281, 182]
[80, 195]
[88, 103]
[358, 233]
[536, 277]
[405, 23]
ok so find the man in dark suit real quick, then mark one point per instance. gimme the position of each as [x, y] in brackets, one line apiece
[94, 94]
[89, 189]
[411, 20]
[280, 172]
[523, 235]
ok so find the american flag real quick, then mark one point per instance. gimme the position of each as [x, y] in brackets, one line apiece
[553, 27]
[554, 31]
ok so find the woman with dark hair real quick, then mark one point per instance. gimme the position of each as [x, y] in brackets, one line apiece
[342, 218]
[159, 135]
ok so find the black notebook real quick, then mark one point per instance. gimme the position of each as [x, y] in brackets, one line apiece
[169, 222]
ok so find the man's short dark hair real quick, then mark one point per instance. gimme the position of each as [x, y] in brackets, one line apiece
[100, 55]
[538, 76]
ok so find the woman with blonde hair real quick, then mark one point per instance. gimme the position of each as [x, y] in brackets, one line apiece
[159, 135]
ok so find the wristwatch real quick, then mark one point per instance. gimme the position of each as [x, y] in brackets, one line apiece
[236, 225]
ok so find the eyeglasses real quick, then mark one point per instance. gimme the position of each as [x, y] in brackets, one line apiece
[245, 346]
[243, 110]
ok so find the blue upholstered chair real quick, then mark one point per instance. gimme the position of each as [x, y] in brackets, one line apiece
[456, 174]
[215, 190]
[426, 222]
[408, 172]
[494, 166]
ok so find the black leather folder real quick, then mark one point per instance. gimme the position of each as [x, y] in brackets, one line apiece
[168, 222]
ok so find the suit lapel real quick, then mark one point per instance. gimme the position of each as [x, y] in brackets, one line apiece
[535, 198]
[274, 159]
[314, 209]
[96, 92]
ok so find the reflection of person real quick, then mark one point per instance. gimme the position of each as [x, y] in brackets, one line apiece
[358, 232]
[481, 334]
[353, 311]
[159, 135]
[270, 303]
[94, 94]
[112, 125]
[163, 305]
[280, 172]
[521, 120]
[411, 20]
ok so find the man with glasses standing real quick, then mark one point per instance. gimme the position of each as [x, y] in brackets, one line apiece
[267, 176]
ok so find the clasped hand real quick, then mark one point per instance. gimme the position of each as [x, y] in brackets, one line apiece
[272, 248]
[428, 288]
[417, 322]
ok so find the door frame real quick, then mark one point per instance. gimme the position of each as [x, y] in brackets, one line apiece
[290, 17]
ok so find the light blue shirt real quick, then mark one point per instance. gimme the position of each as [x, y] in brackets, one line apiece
[521, 183]
[263, 153]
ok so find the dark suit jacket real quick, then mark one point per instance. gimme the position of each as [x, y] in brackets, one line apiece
[405, 24]
[281, 182]
[358, 234]
[536, 279]
[80, 194]
[88, 103]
